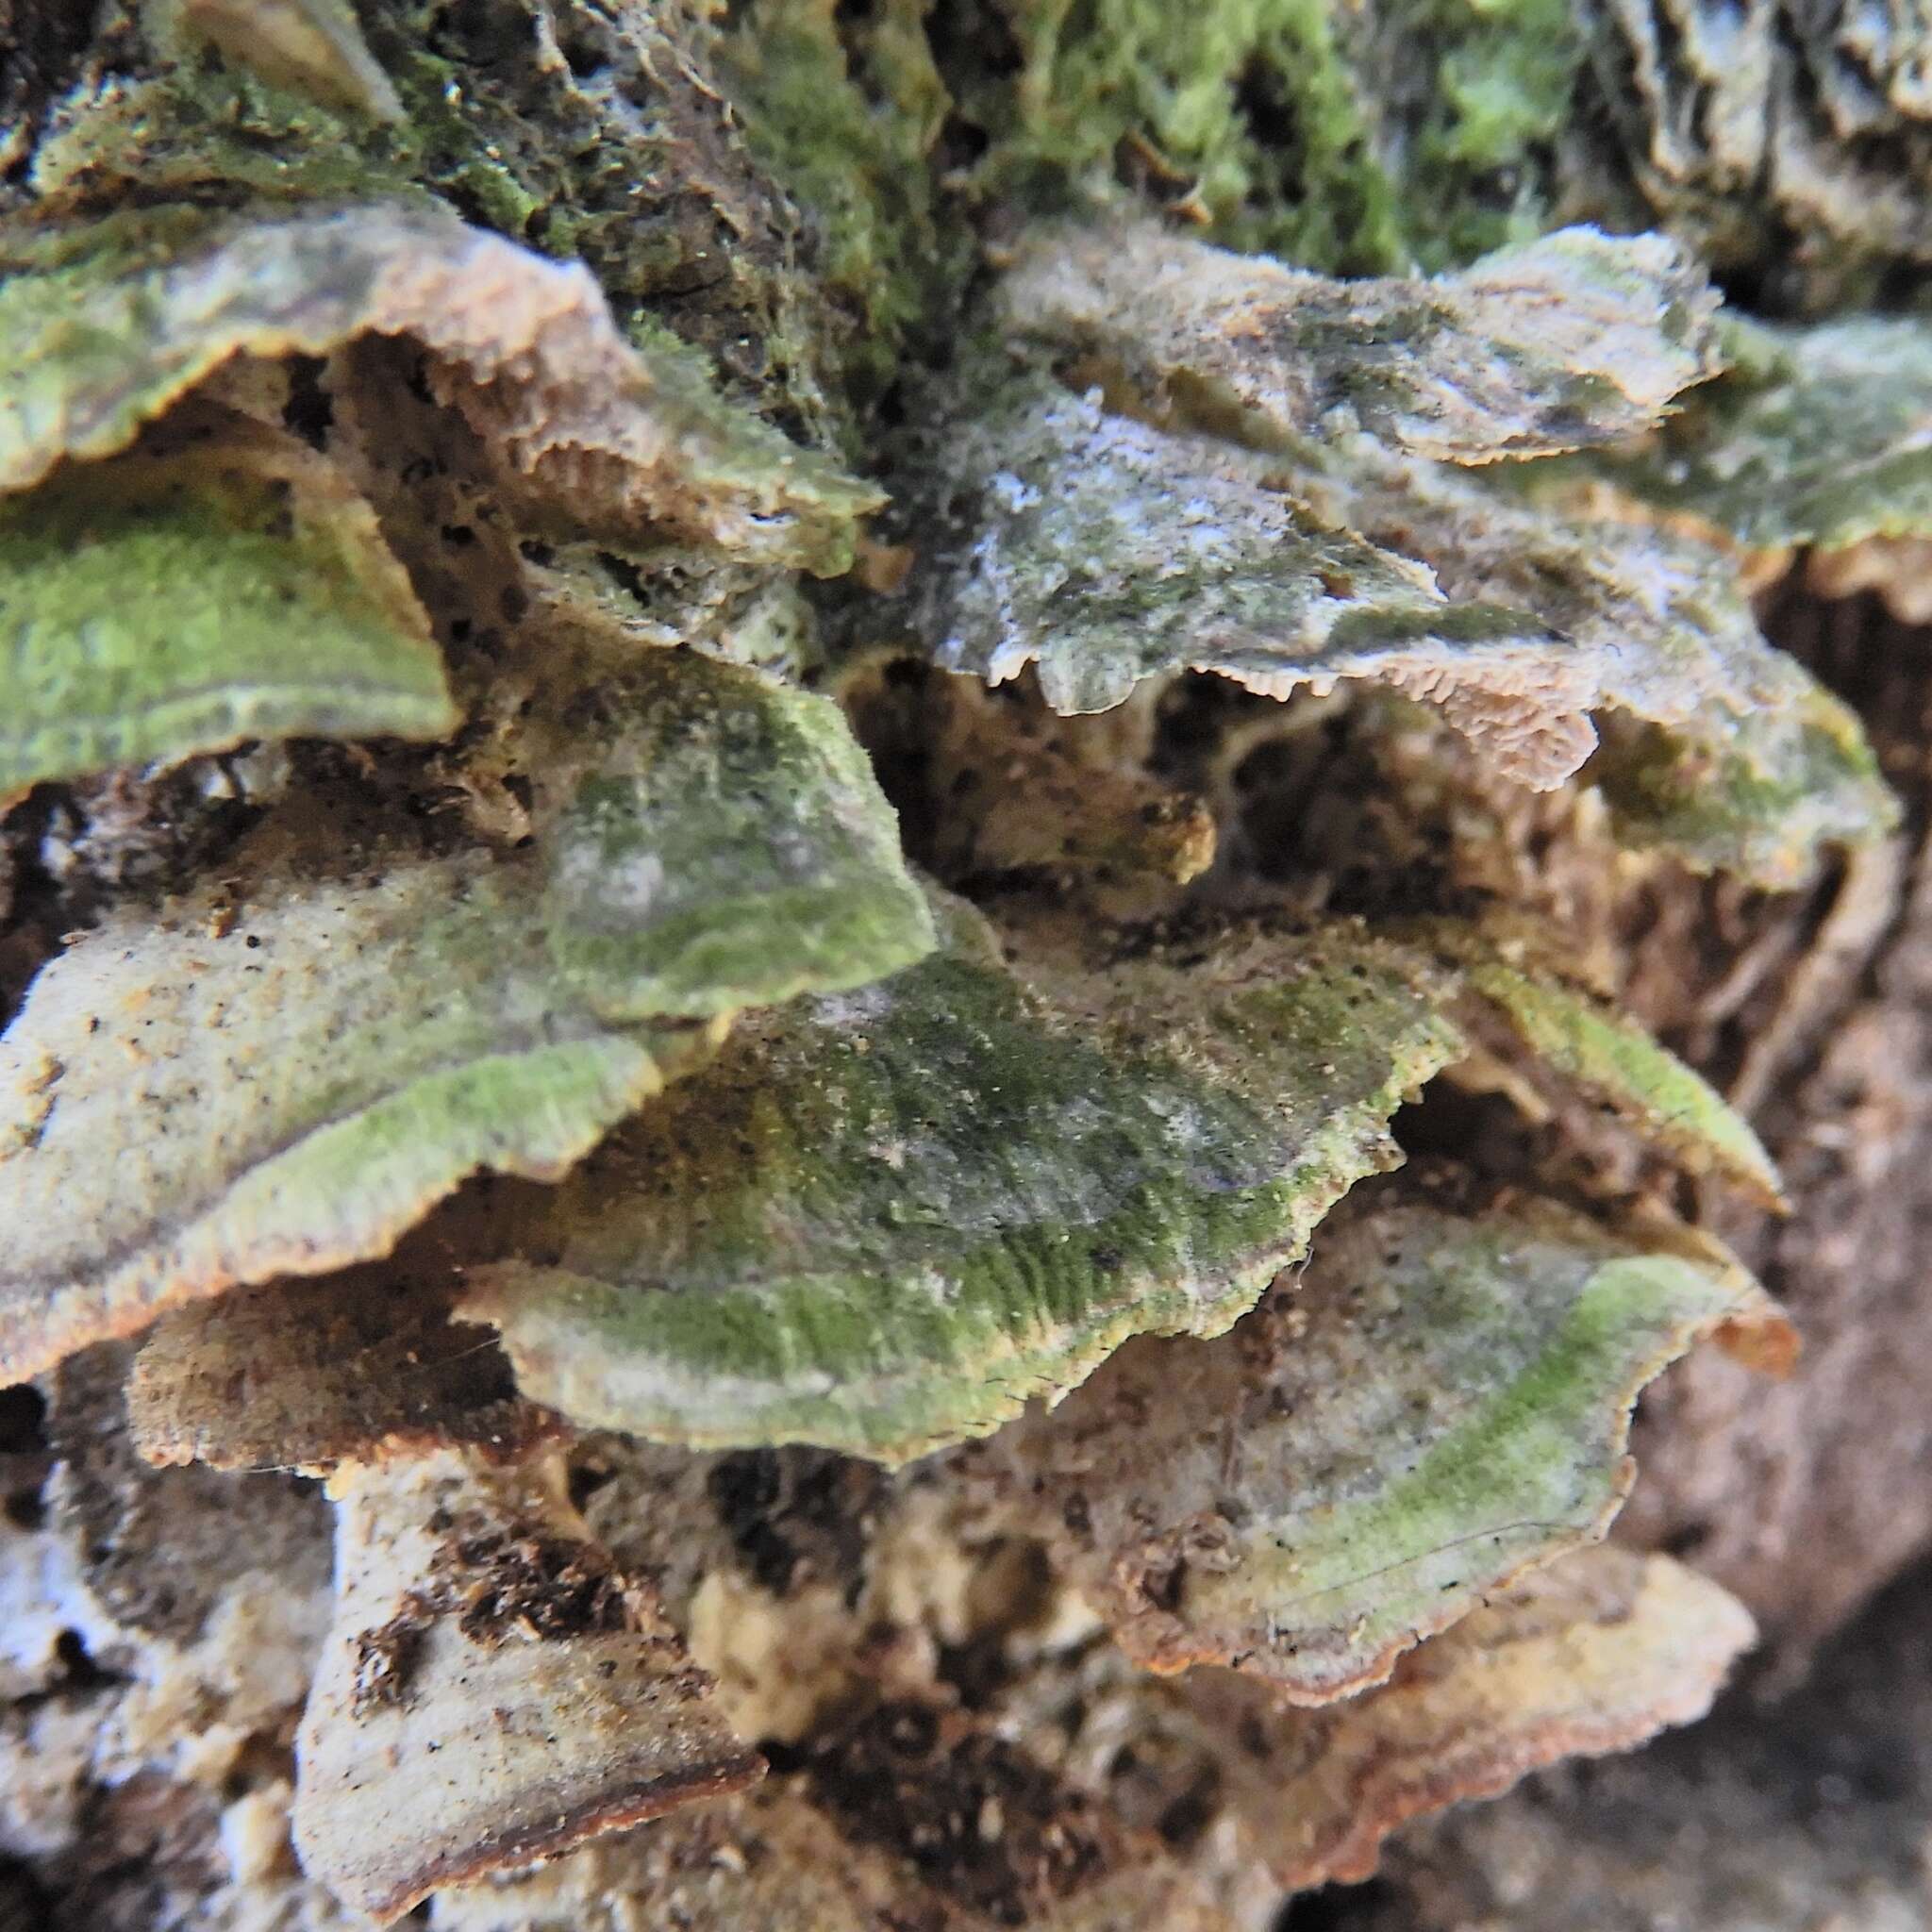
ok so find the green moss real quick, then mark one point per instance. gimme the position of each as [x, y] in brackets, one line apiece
[1358, 140]
[1503, 88]
[847, 123]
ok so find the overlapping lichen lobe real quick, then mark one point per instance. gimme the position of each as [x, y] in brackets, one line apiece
[1550, 346]
[1107, 1257]
[1812, 1002]
[501, 1585]
[475, 1618]
[240, 529]
[1174, 1524]
[1592, 1654]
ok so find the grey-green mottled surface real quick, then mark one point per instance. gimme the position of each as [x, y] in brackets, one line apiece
[280, 1071]
[1439, 1401]
[728, 848]
[1570, 341]
[1817, 435]
[1107, 553]
[886, 1218]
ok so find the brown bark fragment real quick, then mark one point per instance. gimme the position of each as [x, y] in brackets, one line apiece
[1804, 1497]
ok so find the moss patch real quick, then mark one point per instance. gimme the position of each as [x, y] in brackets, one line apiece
[1360, 140]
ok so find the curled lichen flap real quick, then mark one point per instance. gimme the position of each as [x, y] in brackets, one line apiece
[1107, 552]
[285, 1069]
[222, 582]
[1587, 1040]
[1593, 1654]
[1437, 1402]
[1574, 340]
[890, 1217]
[313, 46]
[722, 844]
[107, 326]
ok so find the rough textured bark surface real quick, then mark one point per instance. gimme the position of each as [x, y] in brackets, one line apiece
[1806, 1496]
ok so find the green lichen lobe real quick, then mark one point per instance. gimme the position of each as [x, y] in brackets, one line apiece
[1441, 1401]
[183, 599]
[730, 848]
[1520, 1454]
[283, 1096]
[1575, 339]
[307, 1084]
[890, 1217]
[1615, 1060]
[1107, 553]
[1797, 777]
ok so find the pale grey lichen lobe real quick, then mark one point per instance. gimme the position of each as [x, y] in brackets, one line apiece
[1219, 500]
[1574, 340]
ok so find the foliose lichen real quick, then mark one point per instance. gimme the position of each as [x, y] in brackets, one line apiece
[754, 1095]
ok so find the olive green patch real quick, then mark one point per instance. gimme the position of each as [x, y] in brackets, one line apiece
[181, 600]
[886, 1219]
